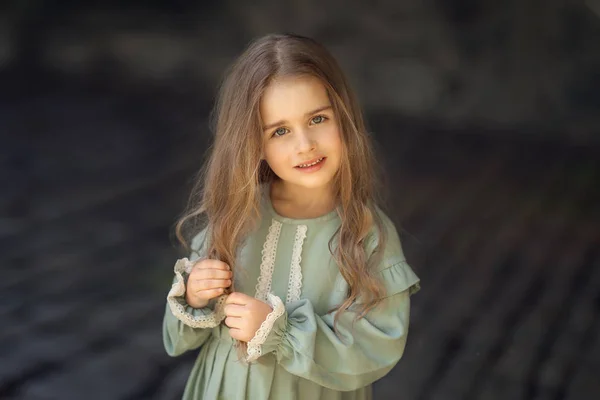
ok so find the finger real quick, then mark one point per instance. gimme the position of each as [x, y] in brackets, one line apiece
[205, 284]
[234, 310]
[233, 322]
[236, 334]
[212, 264]
[209, 294]
[211, 273]
[238, 298]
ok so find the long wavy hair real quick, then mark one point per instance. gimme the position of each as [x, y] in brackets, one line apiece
[226, 196]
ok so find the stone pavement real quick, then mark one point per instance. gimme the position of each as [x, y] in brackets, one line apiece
[503, 233]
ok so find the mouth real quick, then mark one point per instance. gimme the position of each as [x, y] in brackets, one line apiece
[311, 163]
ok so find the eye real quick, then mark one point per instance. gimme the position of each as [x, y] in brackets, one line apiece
[318, 119]
[279, 132]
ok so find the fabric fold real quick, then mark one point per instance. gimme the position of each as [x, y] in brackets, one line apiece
[398, 277]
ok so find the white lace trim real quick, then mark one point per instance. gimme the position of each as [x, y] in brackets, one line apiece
[295, 279]
[267, 265]
[178, 290]
[255, 344]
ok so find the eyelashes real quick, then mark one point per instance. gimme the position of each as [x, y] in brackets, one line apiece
[282, 131]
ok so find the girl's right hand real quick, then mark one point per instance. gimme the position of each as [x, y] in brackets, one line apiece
[207, 280]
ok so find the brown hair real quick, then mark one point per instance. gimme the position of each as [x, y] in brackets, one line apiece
[227, 193]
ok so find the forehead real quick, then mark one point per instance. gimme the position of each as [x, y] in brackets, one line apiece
[291, 97]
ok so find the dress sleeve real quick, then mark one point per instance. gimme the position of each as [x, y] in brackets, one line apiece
[184, 327]
[361, 352]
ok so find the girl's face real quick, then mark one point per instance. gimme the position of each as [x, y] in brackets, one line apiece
[301, 140]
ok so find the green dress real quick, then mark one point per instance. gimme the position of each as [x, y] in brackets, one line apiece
[295, 354]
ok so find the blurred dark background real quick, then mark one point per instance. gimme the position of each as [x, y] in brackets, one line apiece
[487, 117]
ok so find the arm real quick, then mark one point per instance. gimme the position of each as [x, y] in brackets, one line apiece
[179, 338]
[184, 327]
[306, 345]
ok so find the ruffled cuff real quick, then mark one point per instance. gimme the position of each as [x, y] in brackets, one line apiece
[268, 336]
[400, 277]
[193, 317]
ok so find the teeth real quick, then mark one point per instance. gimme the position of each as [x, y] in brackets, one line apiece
[311, 164]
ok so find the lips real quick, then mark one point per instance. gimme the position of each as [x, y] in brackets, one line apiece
[310, 163]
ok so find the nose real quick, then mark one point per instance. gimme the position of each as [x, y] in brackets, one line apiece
[304, 142]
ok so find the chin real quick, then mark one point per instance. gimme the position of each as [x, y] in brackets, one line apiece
[316, 184]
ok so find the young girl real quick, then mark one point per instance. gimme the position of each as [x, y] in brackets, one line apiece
[297, 287]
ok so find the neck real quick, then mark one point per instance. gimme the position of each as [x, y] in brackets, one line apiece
[299, 202]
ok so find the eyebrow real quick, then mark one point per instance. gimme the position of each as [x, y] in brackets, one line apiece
[274, 124]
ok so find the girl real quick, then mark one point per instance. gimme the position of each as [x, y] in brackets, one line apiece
[297, 287]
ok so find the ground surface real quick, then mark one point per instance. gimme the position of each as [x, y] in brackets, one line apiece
[504, 235]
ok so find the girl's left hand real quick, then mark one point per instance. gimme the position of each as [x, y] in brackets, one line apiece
[244, 315]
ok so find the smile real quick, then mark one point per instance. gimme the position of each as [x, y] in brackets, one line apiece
[315, 162]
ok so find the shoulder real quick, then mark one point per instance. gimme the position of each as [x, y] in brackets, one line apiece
[395, 271]
[384, 240]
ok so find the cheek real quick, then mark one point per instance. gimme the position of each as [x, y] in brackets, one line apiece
[274, 156]
[334, 141]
